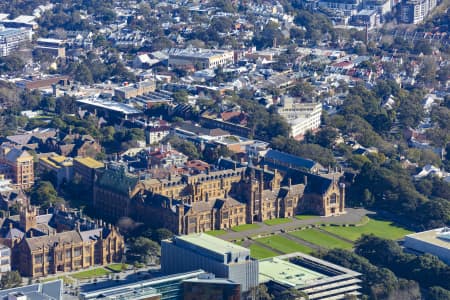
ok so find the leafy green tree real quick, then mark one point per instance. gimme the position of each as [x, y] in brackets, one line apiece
[181, 96]
[266, 37]
[185, 147]
[326, 137]
[162, 234]
[262, 293]
[438, 293]
[10, 279]
[11, 63]
[45, 195]
[292, 294]
[143, 250]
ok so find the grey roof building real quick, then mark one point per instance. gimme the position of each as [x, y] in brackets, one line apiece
[51, 290]
[281, 160]
[202, 251]
[435, 241]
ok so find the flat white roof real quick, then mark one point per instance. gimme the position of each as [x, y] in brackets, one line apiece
[439, 237]
[212, 243]
[111, 105]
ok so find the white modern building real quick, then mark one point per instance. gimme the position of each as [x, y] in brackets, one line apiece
[5, 259]
[200, 58]
[300, 116]
[435, 241]
[12, 39]
[202, 251]
[346, 7]
[319, 279]
[415, 11]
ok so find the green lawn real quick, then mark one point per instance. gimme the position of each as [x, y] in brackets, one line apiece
[258, 252]
[383, 229]
[321, 239]
[117, 267]
[277, 221]
[284, 245]
[244, 227]
[98, 272]
[216, 232]
[305, 217]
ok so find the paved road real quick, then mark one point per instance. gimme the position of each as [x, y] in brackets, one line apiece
[351, 217]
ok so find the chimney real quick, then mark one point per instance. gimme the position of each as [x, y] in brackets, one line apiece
[305, 180]
[31, 233]
[290, 182]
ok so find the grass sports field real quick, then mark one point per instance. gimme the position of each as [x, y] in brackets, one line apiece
[97, 272]
[284, 245]
[244, 227]
[258, 252]
[321, 239]
[326, 237]
[216, 232]
[383, 229]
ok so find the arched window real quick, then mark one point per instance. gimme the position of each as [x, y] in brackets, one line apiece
[333, 198]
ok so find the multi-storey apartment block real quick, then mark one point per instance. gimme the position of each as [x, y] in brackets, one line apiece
[17, 166]
[11, 39]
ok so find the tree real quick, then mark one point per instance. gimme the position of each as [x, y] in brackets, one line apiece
[143, 250]
[180, 96]
[10, 279]
[162, 234]
[11, 63]
[438, 293]
[292, 294]
[262, 293]
[45, 195]
[185, 147]
[327, 136]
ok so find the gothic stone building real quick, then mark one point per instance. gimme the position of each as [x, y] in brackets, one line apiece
[221, 199]
[40, 247]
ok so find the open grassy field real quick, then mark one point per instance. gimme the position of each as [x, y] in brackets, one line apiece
[284, 245]
[383, 229]
[244, 227]
[97, 272]
[321, 239]
[305, 217]
[117, 267]
[216, 232]
[277, 221]
[258, 252]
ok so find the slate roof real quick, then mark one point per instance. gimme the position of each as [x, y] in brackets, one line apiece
[51, 290]
[317, 184]
[229, 202]
[228, 163]
[36, 243]
[294, 161]
[93, 234]
[14, 154]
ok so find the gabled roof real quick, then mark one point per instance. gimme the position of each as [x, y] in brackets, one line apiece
[36, 243]
[15, 154]
[40, 291]
[294, 161]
